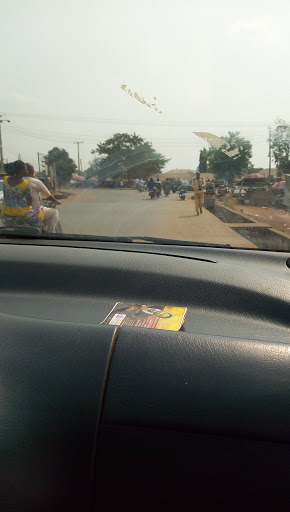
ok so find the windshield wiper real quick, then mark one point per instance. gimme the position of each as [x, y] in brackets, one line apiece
[170, 241]
[30, 232]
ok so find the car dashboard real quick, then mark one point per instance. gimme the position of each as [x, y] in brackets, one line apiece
[98, 417]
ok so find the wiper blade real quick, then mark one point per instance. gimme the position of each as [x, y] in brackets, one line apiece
[169, 241]
[31, 232]
[21, 231]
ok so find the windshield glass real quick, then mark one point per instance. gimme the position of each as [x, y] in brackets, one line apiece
[127, 110]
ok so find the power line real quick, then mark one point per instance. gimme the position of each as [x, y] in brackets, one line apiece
[67, 137]
[192, 122]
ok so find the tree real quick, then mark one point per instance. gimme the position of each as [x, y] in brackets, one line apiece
[202, 166]
[281, 147]
[126, 156]
[232, 159]
[94, 168]
[65, 166]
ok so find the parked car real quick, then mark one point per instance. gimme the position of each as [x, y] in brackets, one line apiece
[253, 191]
[238, 191]
[176, 184]
[221, 187]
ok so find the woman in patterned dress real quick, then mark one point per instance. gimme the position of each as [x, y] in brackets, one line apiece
[17, 200]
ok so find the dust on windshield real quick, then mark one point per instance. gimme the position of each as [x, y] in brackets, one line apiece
[164, 120]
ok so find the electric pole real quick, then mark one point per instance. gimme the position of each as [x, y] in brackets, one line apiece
[78, 143]
[1, 146]
[270, 151]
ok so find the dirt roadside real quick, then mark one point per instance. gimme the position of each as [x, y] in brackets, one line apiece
[275, 218]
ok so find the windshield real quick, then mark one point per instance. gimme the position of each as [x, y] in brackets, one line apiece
[118, 104]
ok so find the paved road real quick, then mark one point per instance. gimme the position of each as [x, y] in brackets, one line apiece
[128, 213]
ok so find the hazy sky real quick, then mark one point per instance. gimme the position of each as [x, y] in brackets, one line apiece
[213, 66]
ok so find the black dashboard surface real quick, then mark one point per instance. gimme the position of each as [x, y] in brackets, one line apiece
[228, 293]
[98, 418]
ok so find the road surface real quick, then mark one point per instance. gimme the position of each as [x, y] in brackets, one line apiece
[107, 212]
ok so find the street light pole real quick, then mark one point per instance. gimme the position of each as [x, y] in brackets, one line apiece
[78, 143]
[1, 146]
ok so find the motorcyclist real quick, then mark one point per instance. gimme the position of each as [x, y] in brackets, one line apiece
[158, 185]
[17, 202]
[151, 184]
[167, 186]
[141, 185]
[51, 215]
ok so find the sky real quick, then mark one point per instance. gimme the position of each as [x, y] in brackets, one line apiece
[212, 67]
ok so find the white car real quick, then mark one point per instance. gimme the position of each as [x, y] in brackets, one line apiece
[238, 190]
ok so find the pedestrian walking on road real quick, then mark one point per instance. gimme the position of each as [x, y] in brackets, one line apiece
[198, 187]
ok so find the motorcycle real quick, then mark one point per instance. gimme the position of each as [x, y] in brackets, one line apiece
[182, 193]
[17, 224]
[153, 193]
[141, 187]
[166, 191]
[49, 204]
[158, 189]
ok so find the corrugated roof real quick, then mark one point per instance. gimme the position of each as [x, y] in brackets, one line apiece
[179, 173]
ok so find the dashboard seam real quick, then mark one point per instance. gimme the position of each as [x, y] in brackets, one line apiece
[100, 417]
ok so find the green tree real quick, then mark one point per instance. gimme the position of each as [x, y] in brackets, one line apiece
[65, 166]
[231, 160]
[202, 166]
[125, 155]
[281, 147]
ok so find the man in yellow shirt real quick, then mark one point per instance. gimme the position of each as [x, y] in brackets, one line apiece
[198, 187]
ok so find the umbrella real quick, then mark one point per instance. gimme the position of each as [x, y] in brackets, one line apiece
[78, 178]
[280, 184]
[253, 176]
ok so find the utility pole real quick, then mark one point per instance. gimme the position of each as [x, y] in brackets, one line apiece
[1, 146]
[270, 151]
[54, 177]
[78, 143]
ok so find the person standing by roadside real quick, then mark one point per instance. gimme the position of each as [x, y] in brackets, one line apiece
[198, 187]
[39, 190]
